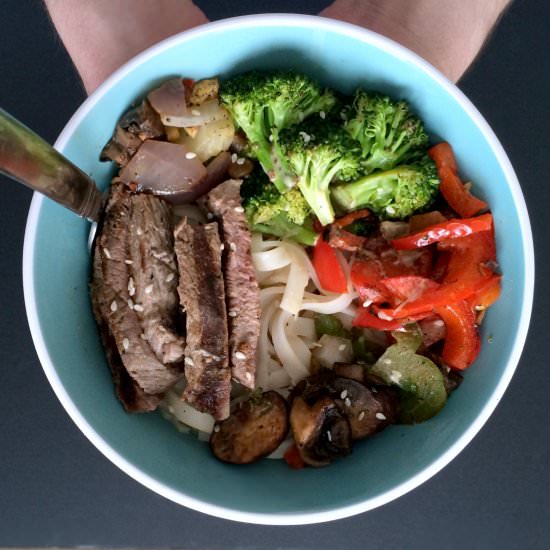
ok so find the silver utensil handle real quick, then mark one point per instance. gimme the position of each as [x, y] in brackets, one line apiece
[29, 159]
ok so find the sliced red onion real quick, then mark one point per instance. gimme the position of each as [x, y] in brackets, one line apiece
[168, 170]
[169, 101]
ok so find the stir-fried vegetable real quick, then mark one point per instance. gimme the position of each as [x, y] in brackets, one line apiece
[421, 383]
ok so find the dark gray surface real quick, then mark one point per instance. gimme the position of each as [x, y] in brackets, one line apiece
[56, 489]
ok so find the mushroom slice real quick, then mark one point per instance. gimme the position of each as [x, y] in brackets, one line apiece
[367, 412]
[321, 432]
[254, 430]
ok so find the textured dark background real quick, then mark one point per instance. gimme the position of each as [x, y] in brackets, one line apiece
[57, 490]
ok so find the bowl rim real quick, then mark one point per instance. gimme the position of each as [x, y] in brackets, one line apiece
[395, 49]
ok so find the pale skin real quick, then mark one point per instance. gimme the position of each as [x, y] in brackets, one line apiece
[101, 35]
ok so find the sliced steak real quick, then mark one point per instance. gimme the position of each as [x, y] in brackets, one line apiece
[201, 290]
[132, 397]
[134, 127]
[243, 293]
[111, 280]
[154, 276]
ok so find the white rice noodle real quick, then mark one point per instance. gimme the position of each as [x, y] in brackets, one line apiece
[270, 260]
[186, 414]
[277, 277]
[265, 346]
[333, 303]
[304, 327]
[290, 351]
[278, 377]
[298, 279]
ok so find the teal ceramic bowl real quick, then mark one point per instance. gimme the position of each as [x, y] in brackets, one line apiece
[179, 467]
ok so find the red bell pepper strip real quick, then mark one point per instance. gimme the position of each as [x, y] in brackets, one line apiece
[468, 271]
[366, 319]
[462, 341]
[366, 276]
[293, 458]
[443, 156]
[328, 268]
[451, 229]
[451, 187]
[348, 219]
[487, 295]
[409, 287]
[430, 301]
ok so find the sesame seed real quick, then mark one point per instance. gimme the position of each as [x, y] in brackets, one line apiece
[107, 253]
[142, 336]
[125, 344]
[234, 158]
[384, 317]
[216, 428]
[209, 215]
[322, 114]
[361, 416]
[190, 155]
[439, 323]
[395, 376]
[130, 304]
[271, 138]
[169, 277]
[114, 306]
[390, 209]
[329, 436]
[232, 313]
[387, 361]
[138, 307]
[195, 112]
[305, 136]
[380, 416]
[233, 246]
[222, 246]
[128, 262]
[239, 209]
[342, 347]
[189, 361]
[477, 308]
[241, 161]
[139, 231]
[240, 355]
[301, 116]
[148, 289]
[248, 376]
[344, 394]
[347, 402]
[131, 287]
[374, 390]
[367, 303]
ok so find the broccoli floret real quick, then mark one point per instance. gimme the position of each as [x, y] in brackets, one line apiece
[261, 102]
[318, 152]
[392, 194]
[388, 132]
[286, 215]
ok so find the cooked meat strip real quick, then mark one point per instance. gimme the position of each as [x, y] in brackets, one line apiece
[110, 292]
[132, 397]
[133, 128]
[254, 429]
[243, 294]
[154, 276]
[201, 291]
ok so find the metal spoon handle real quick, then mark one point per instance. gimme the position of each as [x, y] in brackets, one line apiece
[29, 159]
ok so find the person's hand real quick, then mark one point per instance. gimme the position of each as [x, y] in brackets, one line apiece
[101, 35]
[447, 33]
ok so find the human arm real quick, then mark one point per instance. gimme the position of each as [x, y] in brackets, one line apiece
[448, 33]
[101, 35]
